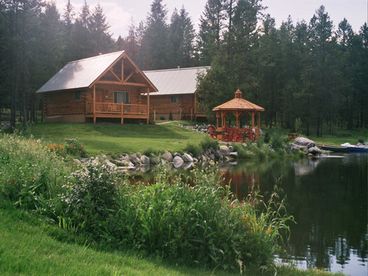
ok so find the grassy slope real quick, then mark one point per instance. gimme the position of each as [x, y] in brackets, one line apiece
[109, 138]
[342, 136]
[28, 247]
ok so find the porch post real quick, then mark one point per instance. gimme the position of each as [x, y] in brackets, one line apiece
[122, 113]
[122, 69]
[252, 119]
[195, 106]
[94, 104]
[148, 105]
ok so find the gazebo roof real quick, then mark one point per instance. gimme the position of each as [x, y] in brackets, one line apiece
[238, 103]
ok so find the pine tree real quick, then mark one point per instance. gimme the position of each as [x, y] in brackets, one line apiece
[154, 41]
[131, 43]
[98, 27]
[211, 27]
[81, 40]
[322, 70]
[181, 38]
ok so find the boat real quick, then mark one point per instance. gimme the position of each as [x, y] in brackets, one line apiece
[346, 148]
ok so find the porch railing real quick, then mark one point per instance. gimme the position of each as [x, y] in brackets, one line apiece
[116, 108]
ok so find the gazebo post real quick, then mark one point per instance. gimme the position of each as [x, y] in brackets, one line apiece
[237, 123]
[224, 119]
[259, 121]
[252, 119]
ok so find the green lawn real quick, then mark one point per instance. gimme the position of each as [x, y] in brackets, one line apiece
[342, 136]
[29, 246]
[114, 138]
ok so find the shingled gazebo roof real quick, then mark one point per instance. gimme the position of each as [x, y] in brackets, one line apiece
[237, 104]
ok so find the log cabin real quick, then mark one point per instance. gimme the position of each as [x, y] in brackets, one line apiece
[103, 86]
[177, 93]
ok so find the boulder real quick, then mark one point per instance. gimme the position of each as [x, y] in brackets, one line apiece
[188, 166]
[314, 150]
[122, 162]
[224, 149]
[178, 162]
[187, 157]
[145, 160]
[233, 154]
[302, 141]
[134, 159]
[77, 161]
[167, 156]
[110, 165]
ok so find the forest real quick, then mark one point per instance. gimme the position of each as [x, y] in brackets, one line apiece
[310, 76]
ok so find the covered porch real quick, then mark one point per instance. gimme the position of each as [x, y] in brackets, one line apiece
[117, 103]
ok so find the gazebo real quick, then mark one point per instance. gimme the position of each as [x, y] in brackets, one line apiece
[238, 133]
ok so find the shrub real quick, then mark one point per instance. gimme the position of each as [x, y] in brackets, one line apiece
[193, 149]
[209, 143]
[90, 199]
[191, 219]
[57, 148]
[74, 147]
[30, 174]
[151, 152]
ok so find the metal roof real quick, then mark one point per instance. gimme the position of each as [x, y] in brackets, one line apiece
[176, 81]
[80, 73]
[238, 103]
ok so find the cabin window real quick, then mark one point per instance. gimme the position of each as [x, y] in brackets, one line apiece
[174, 99]
[77, 95]
[121, 97]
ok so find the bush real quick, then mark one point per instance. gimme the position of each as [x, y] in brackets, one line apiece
[209, 143]
[151, 152]
[192, 219]
[90, 199]
[59, 149]
[74, 147]
[193, 149]
[30, 174]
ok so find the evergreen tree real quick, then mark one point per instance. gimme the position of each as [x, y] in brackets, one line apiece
[321, 70]
[98, 27]
[211, 27]
[131, 45]
[155, 38]
[68, 21]
[181, 37]
[81, 38]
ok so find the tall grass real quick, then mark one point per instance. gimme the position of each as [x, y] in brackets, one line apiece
[185, 217]
[30, 174]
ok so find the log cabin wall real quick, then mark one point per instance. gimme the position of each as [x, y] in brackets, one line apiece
[179, 106]
[66, 106]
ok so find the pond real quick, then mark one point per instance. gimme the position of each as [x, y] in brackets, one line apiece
[328, 199]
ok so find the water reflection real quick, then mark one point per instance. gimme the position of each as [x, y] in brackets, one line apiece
[328, 198]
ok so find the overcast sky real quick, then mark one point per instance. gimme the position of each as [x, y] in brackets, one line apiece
[120, 13]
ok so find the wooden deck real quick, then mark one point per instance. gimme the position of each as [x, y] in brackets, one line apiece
[113, 110]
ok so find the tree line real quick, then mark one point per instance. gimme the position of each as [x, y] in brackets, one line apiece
[307, 75]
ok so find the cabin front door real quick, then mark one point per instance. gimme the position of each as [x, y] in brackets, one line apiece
[121, 97]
